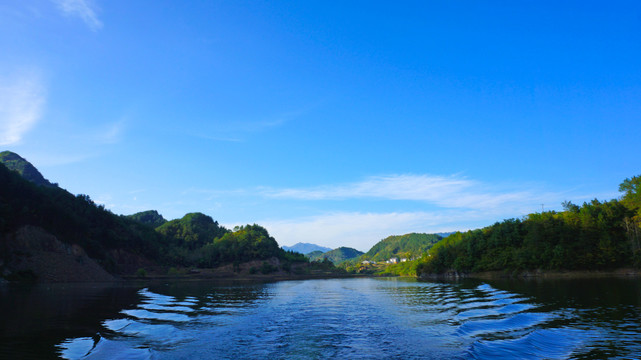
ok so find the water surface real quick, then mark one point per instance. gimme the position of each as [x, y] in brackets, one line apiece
[337, 318]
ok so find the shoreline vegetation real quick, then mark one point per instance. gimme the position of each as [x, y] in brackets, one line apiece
[212, 274]
[536, 274]
[50, 235]
[596, 237]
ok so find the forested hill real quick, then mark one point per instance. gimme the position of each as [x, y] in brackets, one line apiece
[594, 236]
[338, 255]
[113, 241]
[48, 233]
[150, 218]
[194, 230]
[403, 246]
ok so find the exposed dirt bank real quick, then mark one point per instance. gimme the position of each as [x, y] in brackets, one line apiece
[31, 254]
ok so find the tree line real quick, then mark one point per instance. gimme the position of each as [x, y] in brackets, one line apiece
[195, 240]
[593, 236]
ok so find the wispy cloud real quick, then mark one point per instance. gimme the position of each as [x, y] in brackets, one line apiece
[445, 203]
[451, 203]
[256, 126]
[52, 159]
[209, 194]
[219, 138]
[237, 130]
[443, 191]
[111, 133]
[363, 230]
[84, 9]
[21, 104]
[267, 123]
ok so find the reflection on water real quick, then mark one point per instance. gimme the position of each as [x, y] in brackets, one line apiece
[347, 318]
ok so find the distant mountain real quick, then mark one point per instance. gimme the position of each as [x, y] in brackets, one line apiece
[305, 248]
[338, 255]
[407, 246]
[444, 234]
[16, 163]
[149, 217]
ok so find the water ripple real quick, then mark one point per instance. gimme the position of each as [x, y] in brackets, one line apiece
[358, 319]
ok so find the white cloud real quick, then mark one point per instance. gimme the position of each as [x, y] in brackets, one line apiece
[452, 203]
[362, 230]
[84, 9]
[442, 191]
[334, 215]
[104, 199]
[21, 103]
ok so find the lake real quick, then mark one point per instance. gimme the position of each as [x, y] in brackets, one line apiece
[364, 318]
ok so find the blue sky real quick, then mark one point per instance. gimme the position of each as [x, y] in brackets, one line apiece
[337, 123]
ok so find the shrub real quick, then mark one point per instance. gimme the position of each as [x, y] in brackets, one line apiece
[268, 268]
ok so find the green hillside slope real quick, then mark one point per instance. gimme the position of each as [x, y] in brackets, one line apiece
[150, 217]
[402, 246]
[18, 164]
[54, 224]
[194, 230]
[338, 255]
[74, 220]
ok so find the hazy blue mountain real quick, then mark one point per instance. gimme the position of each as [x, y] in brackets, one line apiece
[444, 234]
[306, 248]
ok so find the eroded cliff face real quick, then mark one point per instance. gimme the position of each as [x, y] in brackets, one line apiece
[31, 253]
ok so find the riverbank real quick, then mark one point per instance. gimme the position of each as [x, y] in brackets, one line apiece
[257, 270]
[211, 274]
[536, 274]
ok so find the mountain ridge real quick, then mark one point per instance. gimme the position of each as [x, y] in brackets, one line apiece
[306, 248]
[149, 217]
[17, 163]
[46, 230]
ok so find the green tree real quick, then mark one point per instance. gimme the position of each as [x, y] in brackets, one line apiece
[596, 235]
[631, 193]
[632, 200]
